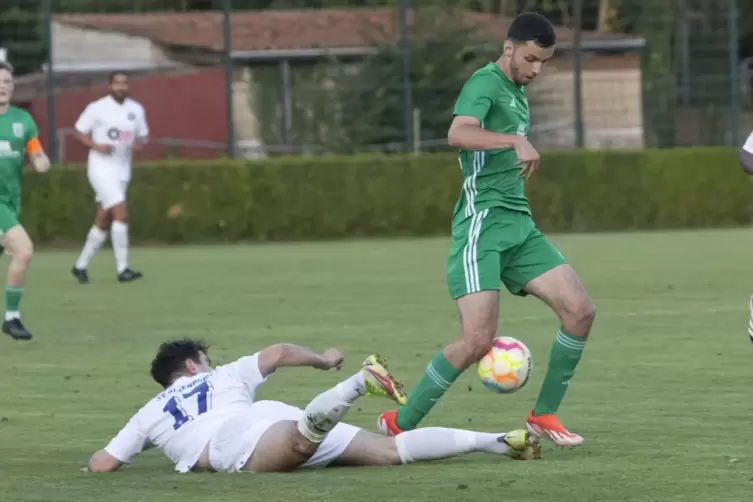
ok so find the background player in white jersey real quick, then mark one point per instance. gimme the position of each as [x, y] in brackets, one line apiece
[111, 127]
[746, 161]
[206, 419]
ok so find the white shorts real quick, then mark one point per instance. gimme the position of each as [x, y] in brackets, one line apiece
[235, 441]
[109, 190]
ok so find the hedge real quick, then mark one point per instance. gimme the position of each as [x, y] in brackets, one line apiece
[333, 197]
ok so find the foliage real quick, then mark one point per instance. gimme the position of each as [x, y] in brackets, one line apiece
[381, 195]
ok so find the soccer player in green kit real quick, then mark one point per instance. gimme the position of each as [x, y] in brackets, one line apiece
[18, 136]
[495, 240]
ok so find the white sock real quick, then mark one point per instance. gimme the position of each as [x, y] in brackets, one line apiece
[328, 408]
[94, 241]
[119, 237]
[10, 315]
[750, 324]
[433, 443]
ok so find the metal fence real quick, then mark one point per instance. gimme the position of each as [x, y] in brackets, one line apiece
[258, 82]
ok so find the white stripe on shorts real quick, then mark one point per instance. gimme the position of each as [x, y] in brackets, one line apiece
[470, 253]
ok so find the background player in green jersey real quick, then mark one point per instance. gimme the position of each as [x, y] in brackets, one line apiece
[18, 136]
[494, 238]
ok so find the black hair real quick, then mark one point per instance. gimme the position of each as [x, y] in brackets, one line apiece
[4, 65]
[117, 73]
[171, 357]
[531, 26]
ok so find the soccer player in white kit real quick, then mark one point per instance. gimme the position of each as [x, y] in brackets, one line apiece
[206, 419]
[746, 161]
[111, 127]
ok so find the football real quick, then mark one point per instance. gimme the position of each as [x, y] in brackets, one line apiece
[507, 366]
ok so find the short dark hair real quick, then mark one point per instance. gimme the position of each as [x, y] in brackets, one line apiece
[171, 357]
[531, 26]
[4, 65]
[117, 73]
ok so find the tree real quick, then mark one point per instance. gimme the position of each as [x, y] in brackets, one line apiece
[24, 33]
[444, 52]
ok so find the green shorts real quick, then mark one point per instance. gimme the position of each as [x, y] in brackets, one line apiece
[9, 212]
[497, 245]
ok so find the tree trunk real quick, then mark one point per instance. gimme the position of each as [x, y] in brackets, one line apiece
[604, 16]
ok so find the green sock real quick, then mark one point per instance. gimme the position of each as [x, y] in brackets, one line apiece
[563, 359]
[439, 376]
[12, 298]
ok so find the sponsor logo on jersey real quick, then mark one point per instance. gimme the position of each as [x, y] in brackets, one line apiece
[6, 150]
[131, 116]
[118, 135]
[522, 130]
[18, 129]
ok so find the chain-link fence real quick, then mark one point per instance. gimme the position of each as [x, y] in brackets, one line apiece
[257, 78]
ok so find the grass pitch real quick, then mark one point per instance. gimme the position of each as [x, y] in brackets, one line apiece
[662, 395]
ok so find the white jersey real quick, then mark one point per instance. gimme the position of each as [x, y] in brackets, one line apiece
[112, 123]
[748, 146]
[183, 418]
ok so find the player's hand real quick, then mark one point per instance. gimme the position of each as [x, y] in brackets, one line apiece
[41, 163]
[332, 358]
[528, 157]
[106, 149]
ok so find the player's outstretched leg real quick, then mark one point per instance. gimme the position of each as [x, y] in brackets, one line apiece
[119, 236]
[479, 312]
[561, 289]
[750, 324]
[288, 445]
[18, 245]
[433, 443]
[95, 239]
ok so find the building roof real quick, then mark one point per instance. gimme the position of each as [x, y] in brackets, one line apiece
[291, 30]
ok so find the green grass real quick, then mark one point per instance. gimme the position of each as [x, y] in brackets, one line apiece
[662, 395]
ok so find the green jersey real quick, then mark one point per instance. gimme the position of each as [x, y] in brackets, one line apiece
[17, 128]
[491, 177]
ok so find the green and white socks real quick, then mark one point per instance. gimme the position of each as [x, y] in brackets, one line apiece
[439, 376]
[12, 301]
[566, 353]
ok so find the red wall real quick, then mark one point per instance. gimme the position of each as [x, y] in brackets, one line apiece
[187, 106]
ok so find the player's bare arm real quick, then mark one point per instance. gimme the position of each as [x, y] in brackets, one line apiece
[289, 355]
[37, 156]
[87, 141]
[466, 133]
[103, 462]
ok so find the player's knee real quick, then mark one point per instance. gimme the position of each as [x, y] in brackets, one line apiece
[579, 316]
[119, 212]
[25, 254]
[478, 341]
[22, 253]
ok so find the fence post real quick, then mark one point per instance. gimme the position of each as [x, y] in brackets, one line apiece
[228, 63]
[733, 31]
[578, 74]
[286, 100]
[407, 84]
[416, 149]
[52, 136]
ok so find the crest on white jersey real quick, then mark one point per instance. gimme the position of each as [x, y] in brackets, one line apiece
[18, 129]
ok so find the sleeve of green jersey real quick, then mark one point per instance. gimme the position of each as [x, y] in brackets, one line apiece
[476, 99]
[31, 128]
